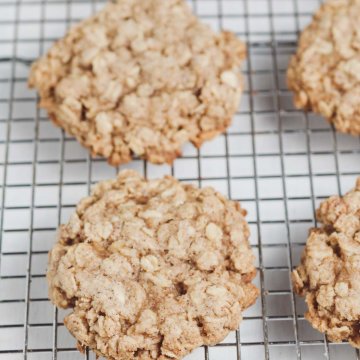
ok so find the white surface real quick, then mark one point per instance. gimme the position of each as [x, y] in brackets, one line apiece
[280, 162]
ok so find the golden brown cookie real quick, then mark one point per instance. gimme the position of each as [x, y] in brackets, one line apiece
[152, 269]
[141, 78]
[325, 72]
[329, 273]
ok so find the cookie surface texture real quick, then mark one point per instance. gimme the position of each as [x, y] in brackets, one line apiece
[325, 72]
[141, 78]
[329, 273]
[152, 269]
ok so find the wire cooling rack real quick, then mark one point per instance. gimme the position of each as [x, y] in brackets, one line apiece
[278, 161]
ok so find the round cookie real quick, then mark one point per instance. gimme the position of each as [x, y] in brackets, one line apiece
[329, 273]
[325, 72]
[152, 269]
[141, 78]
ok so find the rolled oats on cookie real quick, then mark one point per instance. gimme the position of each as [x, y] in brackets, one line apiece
[329, 273]
[324, 74]
[152, 269]
[141, 78]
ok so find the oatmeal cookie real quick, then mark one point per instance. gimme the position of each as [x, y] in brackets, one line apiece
[325, 72]
[329, 273]
[141, 78]
[152, 269]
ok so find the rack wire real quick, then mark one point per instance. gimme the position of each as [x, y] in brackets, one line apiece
[278, 161]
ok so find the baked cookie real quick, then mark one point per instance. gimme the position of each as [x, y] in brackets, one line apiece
[152, 269]
[329, 273]
[141, 78]
[325, 72]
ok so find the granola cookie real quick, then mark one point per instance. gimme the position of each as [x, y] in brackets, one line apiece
[329, 273]
[152, 269]
[141, 78]
[325, 72]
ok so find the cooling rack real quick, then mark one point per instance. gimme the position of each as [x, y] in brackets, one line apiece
[278, 161]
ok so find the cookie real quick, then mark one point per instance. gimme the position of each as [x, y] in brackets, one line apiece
[152, 269]
[141, 78]
[329, 273]
[325, 72]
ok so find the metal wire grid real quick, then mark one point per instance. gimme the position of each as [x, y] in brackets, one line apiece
[278, 161]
